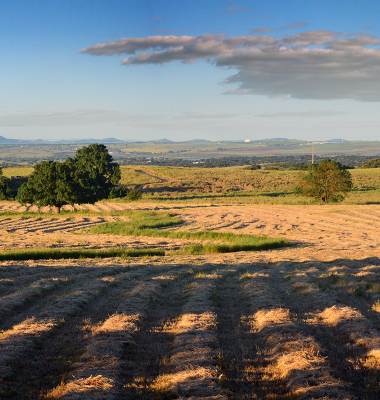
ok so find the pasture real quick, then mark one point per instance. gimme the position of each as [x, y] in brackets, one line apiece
[232, 185]
[298, 322]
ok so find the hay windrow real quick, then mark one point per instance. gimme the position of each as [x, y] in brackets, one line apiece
[192, 359]
[102, 354]
[17, 340]
[20, 297]
[293, 357]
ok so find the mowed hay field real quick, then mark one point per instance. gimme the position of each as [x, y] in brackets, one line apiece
[300, 322]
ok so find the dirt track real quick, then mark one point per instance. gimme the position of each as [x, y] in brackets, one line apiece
[280, 324]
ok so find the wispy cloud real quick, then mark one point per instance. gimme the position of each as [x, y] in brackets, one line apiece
[320, 64]
[301, 114]
[236, 10]
[87, 117]
[167, 31]
[295, 25]
[205, 115]
[261, 30]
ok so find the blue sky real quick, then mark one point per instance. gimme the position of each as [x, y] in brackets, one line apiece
[218, 70]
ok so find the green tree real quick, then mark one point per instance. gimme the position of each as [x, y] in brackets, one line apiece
[87, 178]
[374, 163]
[326, 181]
[95, 172]
[48, 185]
[6, 190]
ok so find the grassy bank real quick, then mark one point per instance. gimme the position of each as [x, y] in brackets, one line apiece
[148, 224]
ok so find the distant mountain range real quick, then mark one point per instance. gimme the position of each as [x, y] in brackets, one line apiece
[4, 140]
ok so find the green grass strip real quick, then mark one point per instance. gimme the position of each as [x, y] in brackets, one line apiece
[47, 254]
[143, 224]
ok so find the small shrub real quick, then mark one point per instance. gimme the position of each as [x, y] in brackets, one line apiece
[333, 278]
[373, 287]
[359, 291]
[253, 167]
[133, 195]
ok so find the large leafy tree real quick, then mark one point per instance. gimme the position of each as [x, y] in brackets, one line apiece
[86, 178]
[49, 185]
[326, 181]
[96, 172]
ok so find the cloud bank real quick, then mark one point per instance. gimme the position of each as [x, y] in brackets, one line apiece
[320, 64]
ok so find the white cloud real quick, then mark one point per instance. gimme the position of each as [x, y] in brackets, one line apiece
[320, 64]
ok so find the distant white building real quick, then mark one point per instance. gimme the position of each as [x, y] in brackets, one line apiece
[246, 141]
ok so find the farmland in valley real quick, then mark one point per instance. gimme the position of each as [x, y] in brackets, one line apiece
[299, 322]
[28, 154]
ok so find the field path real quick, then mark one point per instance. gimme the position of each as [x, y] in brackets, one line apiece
[153, 175]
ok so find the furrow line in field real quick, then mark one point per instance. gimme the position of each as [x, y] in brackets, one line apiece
[362, 215]
[53, 357]
[66, 226]
[97, 370]
[91, 207]
[17, 299]
[350, 224]
[351, 341]
[16, 224]
[193, 359]
[104, 207]
[10, 222]
[294, 357]
[16, 341]
[59, 223]
[240, 360]
[4, 221]
[117, 206]
[32, 226]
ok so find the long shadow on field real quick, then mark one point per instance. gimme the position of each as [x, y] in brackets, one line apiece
[307, 289]
[241, 359]
[334, 304]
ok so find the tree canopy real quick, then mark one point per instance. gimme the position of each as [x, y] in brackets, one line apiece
[6, 190]
[374, 163]
[86, 178]
[327, 181]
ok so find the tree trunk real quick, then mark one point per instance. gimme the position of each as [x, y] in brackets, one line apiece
[56, 209]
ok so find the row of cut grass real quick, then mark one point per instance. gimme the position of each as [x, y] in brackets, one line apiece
[146, 224]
